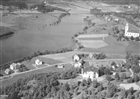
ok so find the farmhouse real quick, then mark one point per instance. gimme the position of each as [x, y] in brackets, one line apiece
[13, 66]
[131, 31]
[77, 64]
[76, 58]
[7, 71]
[38, 62]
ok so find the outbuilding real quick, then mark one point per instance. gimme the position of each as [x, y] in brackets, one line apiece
[38, 62]
[7, 71]
[60, 66]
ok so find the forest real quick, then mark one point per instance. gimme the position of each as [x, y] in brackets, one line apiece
[48, 86]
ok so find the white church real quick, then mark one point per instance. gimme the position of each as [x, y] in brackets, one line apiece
[130, 30]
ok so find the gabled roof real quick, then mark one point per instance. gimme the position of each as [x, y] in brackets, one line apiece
[133, 29]
[90, 68]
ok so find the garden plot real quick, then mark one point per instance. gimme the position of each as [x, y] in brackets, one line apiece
[93, 36]
[93, 43]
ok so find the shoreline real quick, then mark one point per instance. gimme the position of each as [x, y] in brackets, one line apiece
[38, 53]
[6, 35]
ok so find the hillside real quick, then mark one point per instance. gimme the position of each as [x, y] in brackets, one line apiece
[106, 1]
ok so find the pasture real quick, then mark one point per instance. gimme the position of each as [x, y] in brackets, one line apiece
[95, 44]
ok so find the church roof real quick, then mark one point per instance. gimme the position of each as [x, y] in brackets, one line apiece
[133, 29]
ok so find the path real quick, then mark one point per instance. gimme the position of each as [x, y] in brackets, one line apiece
[12, 75]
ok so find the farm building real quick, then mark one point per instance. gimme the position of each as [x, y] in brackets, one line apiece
[7, 71]
[77, 64]
[38, 62]
[131, 31]
[76, 58]
[60, 66]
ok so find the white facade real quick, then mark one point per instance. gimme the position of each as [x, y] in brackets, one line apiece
[38, 62]
[13, 66]
[7, 71]
[76, 58]
[129, 34]
[60, 66]
[78, 64]
[90, 74]
[90, 56]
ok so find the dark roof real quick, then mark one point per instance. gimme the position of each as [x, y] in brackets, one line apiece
[133, 29]
[90, 68]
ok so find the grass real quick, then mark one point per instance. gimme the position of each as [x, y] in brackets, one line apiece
[50, 61]
[133, 47]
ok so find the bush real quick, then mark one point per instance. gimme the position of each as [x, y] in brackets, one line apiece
[136, 78]
[123, 76]
[117, 77]
[137, 39]
[108, 78]
[130, 80]
[107, 71]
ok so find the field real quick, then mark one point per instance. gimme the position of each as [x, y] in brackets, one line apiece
[95, 44]
[93, 36]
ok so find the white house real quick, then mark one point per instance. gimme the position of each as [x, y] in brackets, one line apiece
[13, 66]
[90, 55]
[76, 58]
[130, 30]
[38, 62]
[77, 64]
[60, 66]
[7, 71]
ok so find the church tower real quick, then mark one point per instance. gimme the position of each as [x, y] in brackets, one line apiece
[126, 28]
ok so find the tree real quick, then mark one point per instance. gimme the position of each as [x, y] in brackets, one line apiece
[129, 96]
[123, 76]
[107, 71]
[95, 83]
[108, 78]
[137, 39]
[136, 78]
[14, 95]
[111, 90]
[117, 76]
[132, 38]
[113, 64]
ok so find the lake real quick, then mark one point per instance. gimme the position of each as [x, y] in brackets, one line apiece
[27, 41]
